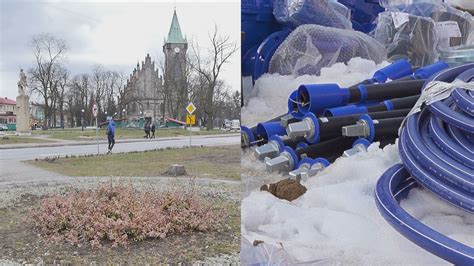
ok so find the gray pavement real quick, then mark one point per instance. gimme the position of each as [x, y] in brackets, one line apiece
[40, 151]
[64, 142]
[15, 173]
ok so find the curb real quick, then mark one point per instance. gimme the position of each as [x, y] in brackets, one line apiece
[79, 143]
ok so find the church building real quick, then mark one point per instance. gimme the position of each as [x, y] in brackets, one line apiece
[154, 96]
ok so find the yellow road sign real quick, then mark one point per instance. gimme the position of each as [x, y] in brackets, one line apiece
[190, 119]
[190, 108]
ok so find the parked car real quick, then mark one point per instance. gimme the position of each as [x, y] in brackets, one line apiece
[235, 124]
[3, 127]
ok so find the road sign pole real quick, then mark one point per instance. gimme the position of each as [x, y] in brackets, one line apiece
[95, 112]
[190, 119]
[97, 134]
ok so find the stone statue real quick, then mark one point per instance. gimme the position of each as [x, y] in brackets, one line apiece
[22, 83]
[22, 108]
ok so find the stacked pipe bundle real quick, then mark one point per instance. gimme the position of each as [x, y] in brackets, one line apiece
[436, 147]
[325, 121]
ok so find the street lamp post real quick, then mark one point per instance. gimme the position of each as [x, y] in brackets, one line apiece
[82, 119]
[123, 117]
[141, 118]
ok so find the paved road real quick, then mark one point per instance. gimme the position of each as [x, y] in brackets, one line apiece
[37, 152]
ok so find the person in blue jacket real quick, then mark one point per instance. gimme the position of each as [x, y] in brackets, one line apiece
[111, 135]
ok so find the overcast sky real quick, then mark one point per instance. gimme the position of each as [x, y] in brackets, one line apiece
[113, 34]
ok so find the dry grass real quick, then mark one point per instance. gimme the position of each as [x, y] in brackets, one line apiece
[19, 139]
[212, 162]
[120, 133]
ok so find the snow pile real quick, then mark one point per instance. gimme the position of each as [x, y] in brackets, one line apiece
[336, 221]
[269, 97]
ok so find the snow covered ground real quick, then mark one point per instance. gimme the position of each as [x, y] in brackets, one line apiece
[336, 221]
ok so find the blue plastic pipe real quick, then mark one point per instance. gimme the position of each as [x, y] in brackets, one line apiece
[269, 129]
[316, 98]
[391, 188]
[436, 153]
[293, 109]
[396, 70]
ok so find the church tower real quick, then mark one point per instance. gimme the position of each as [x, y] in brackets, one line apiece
[175, 47]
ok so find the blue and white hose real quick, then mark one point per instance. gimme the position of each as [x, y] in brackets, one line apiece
[437, 152]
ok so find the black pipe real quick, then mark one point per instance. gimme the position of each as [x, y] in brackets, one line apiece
[387, 127]
[391, 90]
[326, 148]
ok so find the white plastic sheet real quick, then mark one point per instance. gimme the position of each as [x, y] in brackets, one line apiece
[328, 13]
[311, 47]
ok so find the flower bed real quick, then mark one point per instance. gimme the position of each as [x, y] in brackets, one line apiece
[120, 214]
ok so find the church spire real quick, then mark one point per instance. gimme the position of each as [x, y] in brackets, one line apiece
[174, 34]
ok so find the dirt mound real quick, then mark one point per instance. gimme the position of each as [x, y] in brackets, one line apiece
[287, 189]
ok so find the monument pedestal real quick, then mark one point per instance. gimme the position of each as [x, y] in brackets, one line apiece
[23, 115]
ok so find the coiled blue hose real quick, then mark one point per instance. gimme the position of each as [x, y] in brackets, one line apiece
[392, 187]
[437, 152]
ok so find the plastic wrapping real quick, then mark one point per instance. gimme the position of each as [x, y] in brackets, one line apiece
[419, 31]
[273, 253]
[416, 39]
[457, 55]
[397, 5]
[294, 13]
[311, 47]
[443, 13]
[463, 4]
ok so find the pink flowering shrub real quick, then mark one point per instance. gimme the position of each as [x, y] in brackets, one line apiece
[119, 214]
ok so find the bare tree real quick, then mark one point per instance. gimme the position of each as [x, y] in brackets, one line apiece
[125, 95]
[61, 93]
[99, 83]
[197, 88]
[176, 90]
[166, 93]
[78, 98]
[48, 51]
[115, 82]
[210, 67]
[235, 105]
[57, 95]
[53, 95]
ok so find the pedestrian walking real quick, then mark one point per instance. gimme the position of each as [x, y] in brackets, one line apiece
[111, 135]
[153, 130]
[147, 130]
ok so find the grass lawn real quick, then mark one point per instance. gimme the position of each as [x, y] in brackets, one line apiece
[20, 139]
[213, 162]
[120, 133]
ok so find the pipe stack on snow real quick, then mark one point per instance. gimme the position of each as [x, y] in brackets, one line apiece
[325, 121]
[436, 148]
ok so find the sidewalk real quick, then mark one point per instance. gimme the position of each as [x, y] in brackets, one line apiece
[60, 142]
